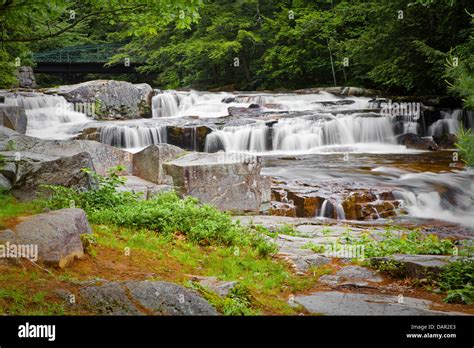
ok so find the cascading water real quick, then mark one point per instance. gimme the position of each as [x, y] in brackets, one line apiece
[449, 124]
[49, 117]
[301, 134]
[132, 137]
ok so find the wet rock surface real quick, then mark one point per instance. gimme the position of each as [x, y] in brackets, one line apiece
[414, 141]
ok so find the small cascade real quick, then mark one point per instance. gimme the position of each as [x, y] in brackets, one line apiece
[172, 103]
[49, 117]
[130, 137]
[300, 134]
[237, 138]
[341, 215]
[449, 124]
[324, 207]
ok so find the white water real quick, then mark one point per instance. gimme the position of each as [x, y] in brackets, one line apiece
[442, 196]
[132, 137]
[211, 105]
[450, 123]
[300, 135]
[49, 117]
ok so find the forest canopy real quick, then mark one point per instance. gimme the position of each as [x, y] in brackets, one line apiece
[399, 46]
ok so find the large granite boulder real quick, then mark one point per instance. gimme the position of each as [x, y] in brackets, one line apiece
[148, 163]
[65, 171]
[113, 100]
[56, 235]
[13, 117]
[103, 156]
[230, 182]
[145, 298]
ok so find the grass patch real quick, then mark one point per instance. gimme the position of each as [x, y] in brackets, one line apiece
[17, 296]
[12, 208]
[403, 242]
[266, 280]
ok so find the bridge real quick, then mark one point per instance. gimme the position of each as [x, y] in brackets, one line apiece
[81, 59]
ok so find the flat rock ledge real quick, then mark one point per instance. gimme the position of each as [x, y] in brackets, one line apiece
[352, 277]
[145, 298]
[340, 303]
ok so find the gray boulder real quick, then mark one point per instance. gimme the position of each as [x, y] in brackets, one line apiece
[230, 182]
[103, 156]
[113, 100]
[57, 235]
[13, 117]
[66, 171]
[145, 298]
[148, 163]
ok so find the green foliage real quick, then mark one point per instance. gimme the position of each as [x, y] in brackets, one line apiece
[460, 69]
[2, 162]
[237, 302]
[457, 279]
[411, 242]
[10, 207]
[465, 145]
[166, 213]
[104, 195]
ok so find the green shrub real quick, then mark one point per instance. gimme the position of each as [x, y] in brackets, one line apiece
[411, 242]
[457, 280]
[165, 213]
[105, 195]
[465, 144]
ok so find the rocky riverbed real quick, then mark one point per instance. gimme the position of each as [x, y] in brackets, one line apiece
[322, 165]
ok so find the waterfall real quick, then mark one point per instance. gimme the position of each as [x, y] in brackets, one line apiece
[49, 117]
[172, 103]
[324, 207]
[132, 136]
[236, 138]
[341, 215]
[449, 124]
[300, 134]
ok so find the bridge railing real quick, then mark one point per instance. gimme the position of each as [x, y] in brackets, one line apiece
[99, 53]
